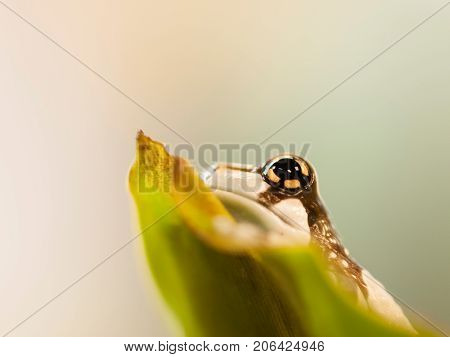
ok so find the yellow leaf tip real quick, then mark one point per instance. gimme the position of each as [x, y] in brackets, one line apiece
[144, 141]
[141, 138]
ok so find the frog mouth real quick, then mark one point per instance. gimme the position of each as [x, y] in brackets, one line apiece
[242, 180]
[240, 189]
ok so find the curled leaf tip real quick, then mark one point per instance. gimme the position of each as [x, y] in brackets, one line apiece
[145, 140]
[151, 171]
[140, 133]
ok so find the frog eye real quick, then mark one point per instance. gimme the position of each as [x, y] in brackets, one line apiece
[290, 174]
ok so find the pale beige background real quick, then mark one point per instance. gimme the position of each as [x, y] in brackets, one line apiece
[216, 72]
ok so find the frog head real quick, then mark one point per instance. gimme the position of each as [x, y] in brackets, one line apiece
[270, 192]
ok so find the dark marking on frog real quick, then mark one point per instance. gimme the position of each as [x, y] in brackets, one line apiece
[323, 234]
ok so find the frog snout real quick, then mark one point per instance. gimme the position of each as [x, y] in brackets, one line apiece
[246, 183]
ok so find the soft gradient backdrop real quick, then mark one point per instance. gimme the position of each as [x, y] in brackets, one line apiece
[215, 72]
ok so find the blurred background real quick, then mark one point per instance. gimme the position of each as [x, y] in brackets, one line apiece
[215, 72]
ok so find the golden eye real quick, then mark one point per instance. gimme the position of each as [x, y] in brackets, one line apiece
[272, 176]
[288, 173]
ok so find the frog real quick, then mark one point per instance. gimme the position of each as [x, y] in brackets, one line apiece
[282, 195]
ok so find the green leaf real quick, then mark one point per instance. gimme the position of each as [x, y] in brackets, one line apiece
[324, 309]
[221, 285]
